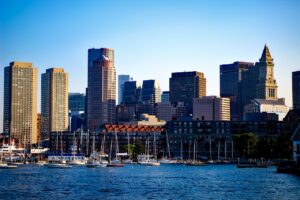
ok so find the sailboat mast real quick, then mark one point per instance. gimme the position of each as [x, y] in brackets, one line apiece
[154, 145]
[219, 150]
[210, 149]
[231, 148]
[225, 150]
[194, 157]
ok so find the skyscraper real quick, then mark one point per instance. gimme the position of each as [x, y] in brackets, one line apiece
[151, 92]
[230, 85]
[121, 80]
[296, 89]
[54, 105]
[266, 87]
[184, 86]
[101, 93]
[20, 102]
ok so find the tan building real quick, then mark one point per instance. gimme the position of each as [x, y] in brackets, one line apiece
[20, 102]
[38, 126]
[211, 108]
[266, 87]
[54, 105]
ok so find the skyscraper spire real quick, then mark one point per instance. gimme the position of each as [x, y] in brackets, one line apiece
[266, 55]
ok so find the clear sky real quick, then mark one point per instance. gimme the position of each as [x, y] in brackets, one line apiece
[151, 38]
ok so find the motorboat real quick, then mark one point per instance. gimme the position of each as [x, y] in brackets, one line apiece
[115, 163]
[6, 166]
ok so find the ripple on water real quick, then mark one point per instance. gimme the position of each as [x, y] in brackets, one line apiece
[138, 182]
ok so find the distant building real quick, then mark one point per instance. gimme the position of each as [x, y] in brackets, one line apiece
[76, 102]
[165, 97]
[20, 102]
[131, 93]
[276, 106]
[296, 145]
[296, 89]
[185, 86]
[230, 86]
[39, 127]
[101, 94]
[211, 108]
[54, 105]
[121, 80]
[151, 91]
[266, 86]
[167, 111]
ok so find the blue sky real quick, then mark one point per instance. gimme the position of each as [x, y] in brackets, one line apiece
[151, 38]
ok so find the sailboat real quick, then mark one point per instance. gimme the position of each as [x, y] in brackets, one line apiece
[75, 161]
[115, 162]
[60, 163]
[210, 161]
[93, 161]
[148, 161]
[128, 161]
[168, 160]
[194, 162]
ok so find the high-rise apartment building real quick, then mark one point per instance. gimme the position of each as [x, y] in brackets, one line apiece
[184, 86]
[20, 102]
[296, 89]
[230, 85]
[151, 92]
[121, 80]
[211, 108]
[101, 95]
[54, 105]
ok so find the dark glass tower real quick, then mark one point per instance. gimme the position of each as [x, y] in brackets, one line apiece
[296, 89]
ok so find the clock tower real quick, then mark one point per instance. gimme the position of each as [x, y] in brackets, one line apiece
[266, 87]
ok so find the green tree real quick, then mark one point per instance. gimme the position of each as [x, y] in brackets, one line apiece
[245, 144]
[135, 149]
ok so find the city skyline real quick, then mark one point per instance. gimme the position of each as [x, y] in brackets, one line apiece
[197, 39]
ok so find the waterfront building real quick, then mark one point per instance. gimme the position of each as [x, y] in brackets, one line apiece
[151, 92]
[185, 86]
[20, 102]
[296, 89]
[76, 102]
[296, 145]
[276, 106]
[54, 104]
[183, 133]
[107, 135]
[165, 97]
[230, 86]
[101, 95]
[121, 80]
[211, 108]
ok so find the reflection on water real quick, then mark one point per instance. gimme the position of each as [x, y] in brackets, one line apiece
[140, 182]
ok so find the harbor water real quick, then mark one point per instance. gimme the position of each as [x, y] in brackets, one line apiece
[141, 182]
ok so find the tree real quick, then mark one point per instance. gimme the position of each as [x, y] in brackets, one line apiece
[245, 144]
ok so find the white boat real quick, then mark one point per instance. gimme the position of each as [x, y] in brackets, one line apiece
[6, 148]
[94, 164]
[127, 161]
[57, 165]
[76, 162]
[167, 161]
[6, 166]
[93, 161]
[150, 163]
